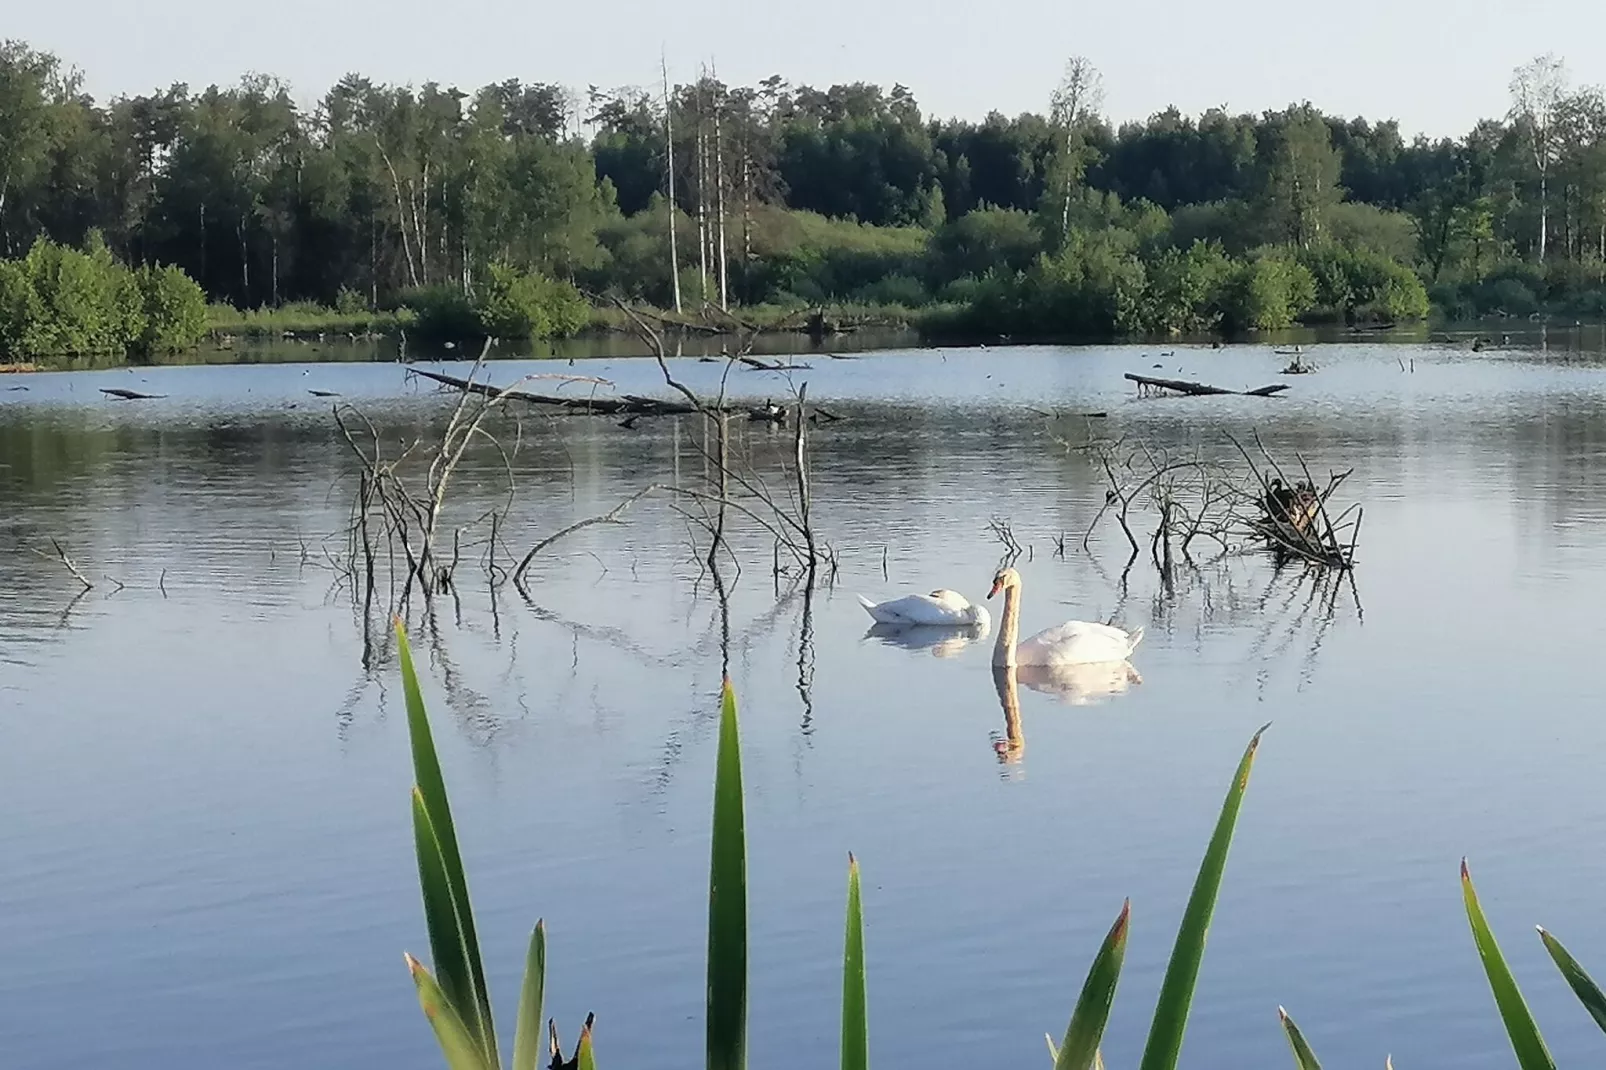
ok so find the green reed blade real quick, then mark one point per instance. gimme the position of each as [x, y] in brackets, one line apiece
[1583, 986]
[1304, 1058]
[1526, 1042]
[461, 976]
[442, 916]
[727, 902]
[527, 1032]
[855, 1012]
[585, 1058]
[1081, 1045]
[1053, 1052]
[1164, 1046]
[462, 1049]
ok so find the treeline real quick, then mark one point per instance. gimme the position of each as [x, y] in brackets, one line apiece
[1056, 223]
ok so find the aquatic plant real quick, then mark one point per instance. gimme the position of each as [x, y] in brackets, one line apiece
[1080, 1048]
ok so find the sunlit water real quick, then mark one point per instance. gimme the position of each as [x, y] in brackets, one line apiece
[205, 771]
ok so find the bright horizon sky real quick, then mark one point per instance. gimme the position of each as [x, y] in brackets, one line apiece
[1379, 59]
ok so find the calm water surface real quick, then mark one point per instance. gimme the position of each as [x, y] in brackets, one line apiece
[205, 775]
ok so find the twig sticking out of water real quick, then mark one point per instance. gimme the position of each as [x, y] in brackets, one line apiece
[741, 490]
[66, 562]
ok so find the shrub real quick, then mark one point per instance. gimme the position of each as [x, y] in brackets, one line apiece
[60, 301]
[1268, 293]
[173, 307]
[507, 303]
[443, 312]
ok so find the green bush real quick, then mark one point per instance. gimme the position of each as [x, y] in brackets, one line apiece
[514, 304]
[173, 308]
[1268, 293]
[60, 301]
[443, 312]
[1354, 283]
[507, 303]
[1186, 288]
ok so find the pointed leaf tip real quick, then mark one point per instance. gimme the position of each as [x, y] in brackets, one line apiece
[1466, 874]
[1282, 1013]
[1122, 921]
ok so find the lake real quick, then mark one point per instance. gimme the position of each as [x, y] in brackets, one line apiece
[205, 776]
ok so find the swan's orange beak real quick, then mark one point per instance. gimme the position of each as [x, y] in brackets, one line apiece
[997, 586]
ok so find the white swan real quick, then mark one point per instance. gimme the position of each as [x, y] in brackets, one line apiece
[938, 607]
[1076, 642]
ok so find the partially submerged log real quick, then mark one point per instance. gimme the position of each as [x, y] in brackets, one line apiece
[1180, 386]
[590, 404]
[593, 405]
[129, 395]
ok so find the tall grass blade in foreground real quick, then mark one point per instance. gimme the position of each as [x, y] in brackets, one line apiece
[1164, 1046]
[462, 1050]
[527, 1037]
[458, 1005]
[727, 902]
[447, 910]
[855, 1012]
[1583, 986]
[1520, 1028]
[1080, 1050]
[1304, 1058]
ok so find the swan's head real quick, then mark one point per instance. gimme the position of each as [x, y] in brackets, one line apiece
[1004, 579]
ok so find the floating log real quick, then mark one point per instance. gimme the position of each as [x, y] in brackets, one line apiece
[1203, 389]
[602, 406]
[771, 365]
[628, 404]
[129, 395]
[324, 393]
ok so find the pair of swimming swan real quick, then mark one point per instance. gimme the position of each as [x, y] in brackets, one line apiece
[1076, 642]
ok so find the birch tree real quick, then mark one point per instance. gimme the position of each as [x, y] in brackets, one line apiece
[1538, 89]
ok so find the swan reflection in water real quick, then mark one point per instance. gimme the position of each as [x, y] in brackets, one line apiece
[943, 640]
[1073, 685]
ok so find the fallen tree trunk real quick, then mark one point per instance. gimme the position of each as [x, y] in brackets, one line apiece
[1180, 386]
[591, 405]
[601, 406]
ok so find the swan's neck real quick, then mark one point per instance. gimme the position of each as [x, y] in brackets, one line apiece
[1004, 650]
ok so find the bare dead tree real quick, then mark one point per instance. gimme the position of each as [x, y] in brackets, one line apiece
[669, 149]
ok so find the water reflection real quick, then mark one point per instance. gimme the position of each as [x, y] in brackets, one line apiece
[941, 640]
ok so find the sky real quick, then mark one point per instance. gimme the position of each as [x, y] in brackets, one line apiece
[1437, 66]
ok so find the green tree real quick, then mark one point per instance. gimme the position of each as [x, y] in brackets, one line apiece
[1301, 183]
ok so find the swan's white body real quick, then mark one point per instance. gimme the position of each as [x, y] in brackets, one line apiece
[1076, 642]
[940, 607]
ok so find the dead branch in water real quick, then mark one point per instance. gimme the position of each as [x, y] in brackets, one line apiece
[1190, 499]
[741, 489]
[1148, 384]
[610, 517]
[66, 562]
[393, 509]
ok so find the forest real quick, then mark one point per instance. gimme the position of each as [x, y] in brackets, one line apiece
[524, 208]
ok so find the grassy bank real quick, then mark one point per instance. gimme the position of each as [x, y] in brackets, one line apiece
[303, 317]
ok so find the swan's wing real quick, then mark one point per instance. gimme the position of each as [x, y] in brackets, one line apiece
[1080, 640]
[917, 609]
